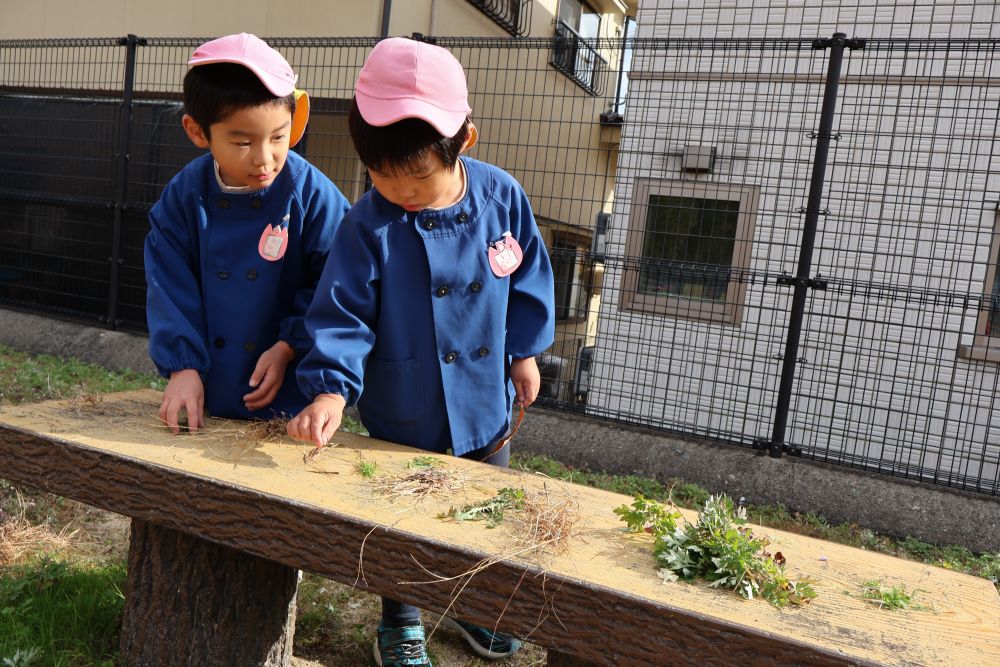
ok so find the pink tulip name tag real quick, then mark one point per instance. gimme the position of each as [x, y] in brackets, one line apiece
[505, 255]
[273, 242]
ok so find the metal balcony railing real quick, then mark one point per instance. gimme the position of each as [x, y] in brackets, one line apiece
[577, 58]
[514, 16]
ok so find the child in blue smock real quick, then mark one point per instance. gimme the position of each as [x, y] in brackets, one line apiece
[237, 241]
[436, 298]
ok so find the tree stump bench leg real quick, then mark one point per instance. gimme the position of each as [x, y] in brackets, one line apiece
[193, 602]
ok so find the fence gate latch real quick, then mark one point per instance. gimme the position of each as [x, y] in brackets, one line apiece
[817, 283]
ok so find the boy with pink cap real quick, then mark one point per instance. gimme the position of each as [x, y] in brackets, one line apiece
[237, 241]
[437, 296]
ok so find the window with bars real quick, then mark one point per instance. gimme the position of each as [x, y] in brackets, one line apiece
[568, 253]
[688, 246]
[575, 53]
[511, 15]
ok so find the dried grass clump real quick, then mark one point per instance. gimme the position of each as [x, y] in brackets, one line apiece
[241, 439]
[267, 430]
[546, 521]
[88, 399]
[20, 539]
[86, 402]
[420, 483]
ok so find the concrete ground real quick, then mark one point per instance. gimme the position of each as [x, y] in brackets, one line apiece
[885, 504]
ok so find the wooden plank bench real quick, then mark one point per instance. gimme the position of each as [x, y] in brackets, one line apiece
[227, 502]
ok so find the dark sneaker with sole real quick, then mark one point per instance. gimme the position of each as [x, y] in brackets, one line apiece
[401, 647]
[486, 643]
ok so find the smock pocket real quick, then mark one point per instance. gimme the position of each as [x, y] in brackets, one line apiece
[393, 390]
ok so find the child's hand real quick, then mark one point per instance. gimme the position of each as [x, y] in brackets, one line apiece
[527, 381]
[319, 421]
[268, 375]
[184, 392]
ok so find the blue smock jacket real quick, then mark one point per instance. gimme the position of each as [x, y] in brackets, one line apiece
[214, 304]
[412, 325]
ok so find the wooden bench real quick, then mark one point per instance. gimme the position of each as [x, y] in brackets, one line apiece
[222, 520]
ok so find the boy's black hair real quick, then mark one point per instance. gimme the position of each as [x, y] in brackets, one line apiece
[403, 146]
[213, 92]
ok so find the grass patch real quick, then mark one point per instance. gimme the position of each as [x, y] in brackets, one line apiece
[56, 613]
[25, 377]
[682, 494]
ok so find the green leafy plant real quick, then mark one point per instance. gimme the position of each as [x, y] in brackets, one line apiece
[366, 467]
[491, 510]
[22, 658]
[420, 462]
[719, 548]
[887, 597]
[648, 516]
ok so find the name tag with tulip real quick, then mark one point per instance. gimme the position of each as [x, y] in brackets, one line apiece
[505, 255]
[273, 242]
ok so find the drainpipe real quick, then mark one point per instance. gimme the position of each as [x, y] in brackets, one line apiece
[386, 12]
[432, 28]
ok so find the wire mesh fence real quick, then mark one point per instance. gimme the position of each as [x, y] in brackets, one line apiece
[674, 221]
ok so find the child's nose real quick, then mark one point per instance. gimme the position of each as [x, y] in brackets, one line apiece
[261, 156]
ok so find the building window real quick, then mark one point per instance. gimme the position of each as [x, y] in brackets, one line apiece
[572, 273]
[575, 52]
[514, 16]
[688, 248]
[986, 343]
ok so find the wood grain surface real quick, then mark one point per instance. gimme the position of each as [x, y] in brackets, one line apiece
[600, 599]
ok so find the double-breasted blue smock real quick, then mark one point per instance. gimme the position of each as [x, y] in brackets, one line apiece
[214, 303]
[411, 324]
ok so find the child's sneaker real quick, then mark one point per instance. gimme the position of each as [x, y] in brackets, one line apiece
[401, 647]
[485, 642]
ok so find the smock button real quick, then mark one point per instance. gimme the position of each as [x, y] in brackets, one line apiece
[429, 225]
[249, 347]
[255, 203]
[450, 357]
[223, 204]
[484, 350]
[443, 290]
[462, 217]
[252, 274]
[223, 274]
[476, 286]
[220, 342]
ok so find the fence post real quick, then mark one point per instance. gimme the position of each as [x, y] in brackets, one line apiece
[121, 178]
[802, 282]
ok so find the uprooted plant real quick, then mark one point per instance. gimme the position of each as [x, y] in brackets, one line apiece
[884, 596]
[719, 548]
[490, 510]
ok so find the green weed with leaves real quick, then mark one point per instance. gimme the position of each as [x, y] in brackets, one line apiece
[491, 510]
[719, 548]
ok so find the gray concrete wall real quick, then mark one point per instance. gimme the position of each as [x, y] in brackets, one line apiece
[116, 350]
[885, 504]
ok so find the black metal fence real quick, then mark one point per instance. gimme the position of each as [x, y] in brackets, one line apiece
[707, 282]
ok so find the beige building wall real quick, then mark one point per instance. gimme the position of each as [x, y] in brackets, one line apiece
[270, 18]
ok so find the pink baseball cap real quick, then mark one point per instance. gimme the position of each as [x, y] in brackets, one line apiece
[404, 78]
[270, 67]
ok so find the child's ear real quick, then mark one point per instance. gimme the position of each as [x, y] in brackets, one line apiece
[194, 131]
[471, 140]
